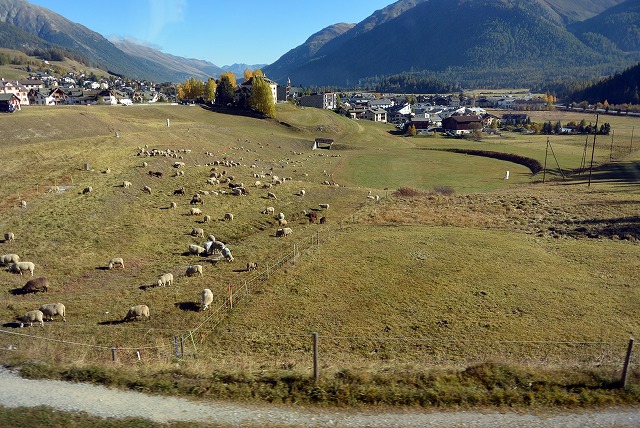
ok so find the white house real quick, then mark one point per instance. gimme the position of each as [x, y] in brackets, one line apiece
[273, 85]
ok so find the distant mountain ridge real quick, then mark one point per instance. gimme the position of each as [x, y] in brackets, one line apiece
[464, 38]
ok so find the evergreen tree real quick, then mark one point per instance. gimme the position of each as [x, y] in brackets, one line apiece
[224, 91]
[261, 98]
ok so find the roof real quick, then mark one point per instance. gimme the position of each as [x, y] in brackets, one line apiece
[7, 97]
[465, 119]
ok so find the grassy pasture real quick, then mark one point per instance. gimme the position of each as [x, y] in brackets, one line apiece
[396, 288]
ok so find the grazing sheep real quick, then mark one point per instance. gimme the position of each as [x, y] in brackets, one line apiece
[146, 189]
[283, 232]
[195, 211]
[269, 210]
[197, 199]
[116, 261]
[206, 299]
[87, 189]
[252, 266]
[9, 236]
[193, 270]
[228, 216]
[213, 246]
[136, 312]
[197, 231]
[206, 219]
[302, 192]
[211, 238]
[196, 249]
[282, 222]
[126, 184]
[20, 267]
[165, 279]
[173, 205]
[257, 183]
[9, 259]
[50, 310]
[323, 220]
[324, 206]
[271, 195]
[23, 204]
[280, 216]
[312, 216]
[144, 164]
[180, 191]
[31, 317]
[35, 285]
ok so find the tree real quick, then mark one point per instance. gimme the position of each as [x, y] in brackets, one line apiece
[224, 91]
[261, 98]
[210, 90]
[411, 131]
[258, 73]
[231, 77]
[248, 74]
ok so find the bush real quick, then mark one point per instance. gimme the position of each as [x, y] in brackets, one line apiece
[408, 192]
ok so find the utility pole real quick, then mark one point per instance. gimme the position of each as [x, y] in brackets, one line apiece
[593, 148]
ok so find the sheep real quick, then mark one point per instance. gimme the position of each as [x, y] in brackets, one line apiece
[195, 211]
[211, 238]
[116, 261]
[206, 299]
[9, 259]
[324, 206]
[87, 189]
[280, 216]
[196, 249]
[213, 246]
[19, 267]
[197, 231]
[35, 285]
[180, 191]
[144, 164]
[283, 232]
[282, 222]
[228, 216]
[323, 220]
[50, 310]
[146, 189]
[312, 216]
[193, 270]
[23, 204]
[173, 206]
[302, 192]
[136, 312]
[126, 184]
[269, 210]
[252, 266]
[197, 199]
[271, 195]
[9, 237]
[206, 219]
[165, 279]
[31, 317]
[257, 183]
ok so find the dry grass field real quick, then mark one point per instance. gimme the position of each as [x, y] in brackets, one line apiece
[410, 295]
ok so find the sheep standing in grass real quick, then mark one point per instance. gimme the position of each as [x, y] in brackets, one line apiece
[324, 206]
[126, 184]
[206, 219]
[282, 222]
[9, 237]
[269, 210]
[31, 317]
[284, 232]
[173, 206]
[206, 299]
[146, 189]
[8, 259]
[165, 279]
[197, 231]
[196, 249]
[36, 284]
[302, 192]
[193, 270]
[22, 267]
[228, 216]
[195, 211]
[23, 204]
[136, 312]
[271, 195]
[116, 262]
[87, 189]
[50, 310]
[252, 266]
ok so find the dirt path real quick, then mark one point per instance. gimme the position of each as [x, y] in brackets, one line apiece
[112, 403]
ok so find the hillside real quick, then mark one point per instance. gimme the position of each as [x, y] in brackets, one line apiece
[621, 88]
[616, 28]
[499, 39]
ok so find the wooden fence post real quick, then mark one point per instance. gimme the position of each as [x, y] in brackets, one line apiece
[175, 344]
[316, 372]
[181, 347]
[627, 361]
[113, 355]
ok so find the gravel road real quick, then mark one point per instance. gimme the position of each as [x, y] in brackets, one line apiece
[111, 403]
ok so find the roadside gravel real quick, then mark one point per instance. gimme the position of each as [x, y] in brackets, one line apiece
[112, 403]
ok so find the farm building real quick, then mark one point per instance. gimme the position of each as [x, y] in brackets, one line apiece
[460, 125]
[9, 103]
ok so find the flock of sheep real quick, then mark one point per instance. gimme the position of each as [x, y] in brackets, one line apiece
[218, 176]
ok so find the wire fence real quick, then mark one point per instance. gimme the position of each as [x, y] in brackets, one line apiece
[238, 350]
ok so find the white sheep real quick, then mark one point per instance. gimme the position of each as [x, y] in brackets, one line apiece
[251, 266]
[136, 312]
[173, 205]
[116, 261]
[228, 216]
[206, 219]
[31, 317]
[206, 299]
[193, 270]
[23, 204]
[146, 189]
[20, 267]
[52, 309]
[302, 192]
[165, 279]
[271, 195]
[126, 184]
[197, 231]
[324, 206]
[280, 216]
[211, 238]
[87, 189]
[269, 210]
[9, 236]
[283, 232]
[9, 259]
[196, 249]
[195, 211]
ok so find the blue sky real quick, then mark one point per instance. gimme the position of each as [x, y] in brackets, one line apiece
[220, 31]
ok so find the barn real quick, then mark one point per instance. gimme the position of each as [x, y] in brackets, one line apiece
[9, 103]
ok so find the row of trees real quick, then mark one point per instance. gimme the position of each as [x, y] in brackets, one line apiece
[221, 92]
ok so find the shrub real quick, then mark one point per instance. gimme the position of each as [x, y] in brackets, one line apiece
[408, 192]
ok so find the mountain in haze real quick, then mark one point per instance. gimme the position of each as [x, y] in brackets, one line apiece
[25, 26]
[522, 39]
[238, 69]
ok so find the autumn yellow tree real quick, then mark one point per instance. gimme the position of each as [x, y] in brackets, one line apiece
[258, 73]
[248, 74]
[230, 77]
[192, 89]
[210, 90]
[261, 98]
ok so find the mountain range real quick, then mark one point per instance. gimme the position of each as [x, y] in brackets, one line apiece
[469, 42]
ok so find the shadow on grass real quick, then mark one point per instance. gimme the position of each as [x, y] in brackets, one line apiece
[18, 291]
[188, 306]
[112, 322]
[103, 268]
[13, 324]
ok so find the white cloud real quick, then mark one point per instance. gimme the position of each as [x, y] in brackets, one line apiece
[162, 13]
